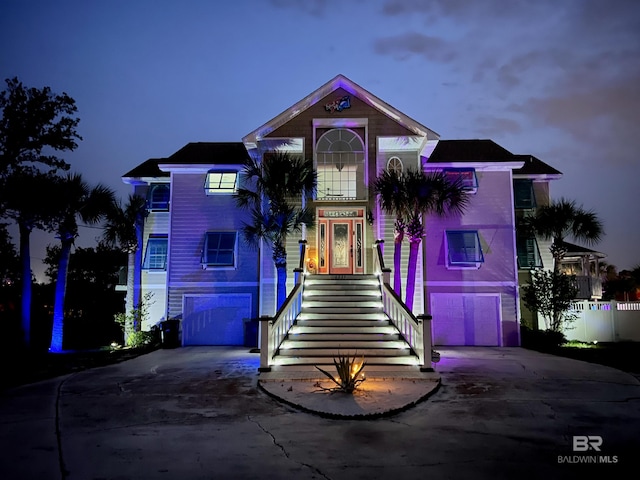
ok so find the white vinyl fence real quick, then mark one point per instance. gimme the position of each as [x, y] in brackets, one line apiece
[605, 322]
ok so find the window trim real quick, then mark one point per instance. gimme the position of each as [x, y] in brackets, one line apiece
[227, 266]
[467, 265]
[150, 203]
[473, 187]
[147, 259]
[218, 190]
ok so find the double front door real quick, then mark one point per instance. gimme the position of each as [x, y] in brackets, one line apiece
[341, 245]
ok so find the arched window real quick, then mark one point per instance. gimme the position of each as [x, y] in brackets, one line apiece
[340, 165]
[394, 164]
[158, 197]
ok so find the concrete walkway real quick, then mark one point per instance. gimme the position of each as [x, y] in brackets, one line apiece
[198, 413]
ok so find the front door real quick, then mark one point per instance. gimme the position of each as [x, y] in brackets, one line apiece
[340, 242]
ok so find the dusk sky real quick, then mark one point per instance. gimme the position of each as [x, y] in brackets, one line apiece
[556, 79]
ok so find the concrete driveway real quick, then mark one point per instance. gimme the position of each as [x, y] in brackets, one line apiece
[196, 413]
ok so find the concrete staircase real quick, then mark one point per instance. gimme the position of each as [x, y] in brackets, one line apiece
[343, 314]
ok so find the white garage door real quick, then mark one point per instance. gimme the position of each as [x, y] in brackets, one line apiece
[465, 319]
[215, 319]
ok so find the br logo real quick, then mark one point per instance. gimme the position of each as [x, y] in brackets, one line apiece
[583, 443]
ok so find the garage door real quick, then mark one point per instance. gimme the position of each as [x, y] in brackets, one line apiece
[215, 319]
[465, 319]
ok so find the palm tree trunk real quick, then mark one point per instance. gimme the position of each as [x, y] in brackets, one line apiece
[414, 245]
[280, 262]
[25, 260]
[398, 237]
[129, 299]
[57, 332]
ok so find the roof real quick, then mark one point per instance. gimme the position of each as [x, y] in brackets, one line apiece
[147, 169]
[340, 81]
[534, 166]
[472, 151]
[574, 250]
[196, 153]
[210, 152]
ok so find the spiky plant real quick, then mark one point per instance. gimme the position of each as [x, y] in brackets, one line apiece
[349, 370]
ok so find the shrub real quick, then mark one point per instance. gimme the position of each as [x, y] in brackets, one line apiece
[543, 340]
[349, 374]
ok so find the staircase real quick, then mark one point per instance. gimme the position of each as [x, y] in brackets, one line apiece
[343, 314]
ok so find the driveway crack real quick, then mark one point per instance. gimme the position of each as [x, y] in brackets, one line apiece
[284, 451]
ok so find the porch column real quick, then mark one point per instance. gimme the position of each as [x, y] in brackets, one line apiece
[265, 355]
[427, 347]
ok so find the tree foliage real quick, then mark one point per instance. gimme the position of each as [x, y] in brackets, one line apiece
[550, 294]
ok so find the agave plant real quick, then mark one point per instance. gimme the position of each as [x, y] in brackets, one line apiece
[349, 373]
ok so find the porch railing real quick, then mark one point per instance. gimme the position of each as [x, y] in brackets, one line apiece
[415, 330]
[273, 330]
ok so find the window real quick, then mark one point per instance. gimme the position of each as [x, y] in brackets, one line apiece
[155, 257]
[466, 176]
[340, 166]
[463, 249]
[219, 249]
[221, 182]
[158, 197]
[395, 165]
[523, 194]
[528, 253]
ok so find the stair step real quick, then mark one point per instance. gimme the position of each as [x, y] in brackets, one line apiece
[337, 303]
[343, 343]
[328, 360]
[347, 289]
[340, 324]
[344, 350]
[339, 331]
[343, 337]
[342, 316]
[340, 296]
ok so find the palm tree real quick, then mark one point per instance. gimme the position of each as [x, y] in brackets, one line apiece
[389, 185]
[124, 228]
[431, 193]
[27, 196]
[274, 193]
[75, 200]
[561, 219]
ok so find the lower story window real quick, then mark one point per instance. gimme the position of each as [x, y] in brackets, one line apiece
[528, 252]
[155, 257]
[220, 249]
[463, 249]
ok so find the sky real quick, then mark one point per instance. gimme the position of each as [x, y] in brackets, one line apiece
[559, 80]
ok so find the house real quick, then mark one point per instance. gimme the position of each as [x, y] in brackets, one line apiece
[195, 263]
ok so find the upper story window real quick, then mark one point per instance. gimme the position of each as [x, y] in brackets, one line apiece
[220, 249]
[221, 182]
[523, 194]
[394, 164]
[463, 249]
[158, 196]
[340, 166]
[466, 176]
[528, 252]
[155, 257]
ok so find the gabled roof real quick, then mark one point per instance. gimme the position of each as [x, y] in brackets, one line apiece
[534, 166]
[470, 151]
[340, 81]
[147, 169]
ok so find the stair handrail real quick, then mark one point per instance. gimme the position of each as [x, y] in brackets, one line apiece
[416, 331]
[274, 329]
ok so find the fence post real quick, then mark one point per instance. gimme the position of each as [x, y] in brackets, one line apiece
[265, 355]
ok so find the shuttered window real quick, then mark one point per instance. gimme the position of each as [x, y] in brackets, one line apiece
[464, 249]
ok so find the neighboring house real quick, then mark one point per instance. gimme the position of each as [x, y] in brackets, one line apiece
[200, 271]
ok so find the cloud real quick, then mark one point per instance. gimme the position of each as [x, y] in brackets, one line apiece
[408, 44]
[491, 126]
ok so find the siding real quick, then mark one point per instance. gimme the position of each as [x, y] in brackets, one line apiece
[193, 213]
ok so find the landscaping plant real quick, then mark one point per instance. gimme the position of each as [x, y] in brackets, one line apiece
[349, 374]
